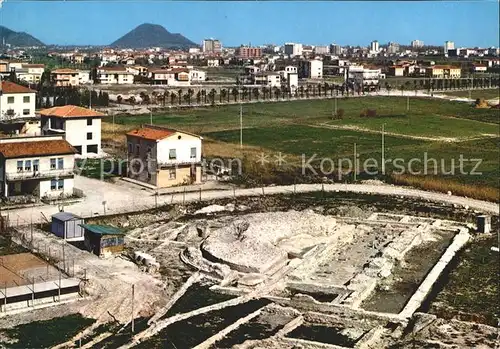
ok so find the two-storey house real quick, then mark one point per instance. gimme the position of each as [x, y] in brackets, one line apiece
[65, 77]
[36, 166]
[114, 75]
[164, 157]
[81, 127]
[16, 101]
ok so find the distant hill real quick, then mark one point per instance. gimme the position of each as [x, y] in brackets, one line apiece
[152, 35]
[18, 39]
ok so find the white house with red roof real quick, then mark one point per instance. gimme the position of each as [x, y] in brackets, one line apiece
[81, 127]
[16, 101]
[114, 75]
[37, 167]
[164, 157]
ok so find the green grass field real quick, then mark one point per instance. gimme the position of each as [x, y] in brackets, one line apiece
[306, 127]
[486, 94]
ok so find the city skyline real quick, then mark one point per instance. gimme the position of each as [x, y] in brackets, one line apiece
[235, 23]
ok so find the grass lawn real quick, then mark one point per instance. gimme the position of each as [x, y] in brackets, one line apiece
[472, 287]
[486, 94]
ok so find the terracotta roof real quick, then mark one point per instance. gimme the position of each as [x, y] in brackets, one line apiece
[64, 71]
[444, 67]
[70, 111]
[34, 65]
[10, 87]
[36, 148]
[153, 134]
[120, 69]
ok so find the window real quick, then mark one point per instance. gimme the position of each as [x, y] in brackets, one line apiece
[130, 148]
[20, 166]
[89, 122]
[89, 135]
[36, 165]
[53, 184]
[92, 148]
[137, 149]
[26, 112]
[193, 153]
[60, 163]
[27, 165]
[53, 164]
[10, 100]
[171, 173]
[60, 184]
[172, 154]
[26, 99]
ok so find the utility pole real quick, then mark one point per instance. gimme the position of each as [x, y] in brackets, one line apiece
[241, 126]
[383, 149]
[355, 164]
[132, 322]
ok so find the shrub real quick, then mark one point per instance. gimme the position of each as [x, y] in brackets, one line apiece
[340, 113]
[363, 113]
[371, 113]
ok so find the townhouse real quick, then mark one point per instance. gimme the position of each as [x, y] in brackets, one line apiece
[16, 101]
[164, 157]
[38, 167]
[81, 127]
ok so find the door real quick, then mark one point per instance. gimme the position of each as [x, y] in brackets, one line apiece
[193, 174]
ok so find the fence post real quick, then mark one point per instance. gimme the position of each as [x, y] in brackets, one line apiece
[200, 194]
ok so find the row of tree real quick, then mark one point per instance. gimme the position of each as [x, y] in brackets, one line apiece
[72, 96]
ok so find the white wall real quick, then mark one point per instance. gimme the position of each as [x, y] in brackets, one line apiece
[45, 188]
[183, 148]
[76, 133]
[18, 104]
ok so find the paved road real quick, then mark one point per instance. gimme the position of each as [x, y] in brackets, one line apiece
[121, 198]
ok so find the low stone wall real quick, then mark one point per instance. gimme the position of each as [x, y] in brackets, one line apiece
[425, 287]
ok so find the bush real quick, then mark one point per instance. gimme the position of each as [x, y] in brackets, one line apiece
[371, 113]
[363, 113]
[340, 113]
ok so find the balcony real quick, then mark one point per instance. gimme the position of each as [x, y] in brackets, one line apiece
[27, 175]
[175, 162]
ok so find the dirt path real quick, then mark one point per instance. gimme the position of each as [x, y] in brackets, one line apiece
[124, 199]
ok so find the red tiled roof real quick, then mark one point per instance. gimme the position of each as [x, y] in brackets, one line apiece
[153, 134]
[36, 148]
[70, 111]
[64, 71]
[10, 87]
[34, 65]
[120, 69]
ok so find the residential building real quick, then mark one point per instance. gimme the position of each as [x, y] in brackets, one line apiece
[171, 76]
[311, 69]
[479, 68]
[194, 50]
[292, 49]
[164, 157]
[16, 101]
[396, 70]
[81, 127]
[31, 73]
[321, 50]
[213, 62]
[374, 47]
[367, 77]
[84, 77]
[270, 79]
[196, 75]
[290, 80]
[335, 49]
[393, 48]
[137, 70]
[246, 52]
[65, 77]
[415, 44]
[307, 50]
[36, 167]
[448, 45]
[211, 46]
[114, 75]
[443, 72]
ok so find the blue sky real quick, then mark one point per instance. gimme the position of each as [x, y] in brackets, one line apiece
[468, 23]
